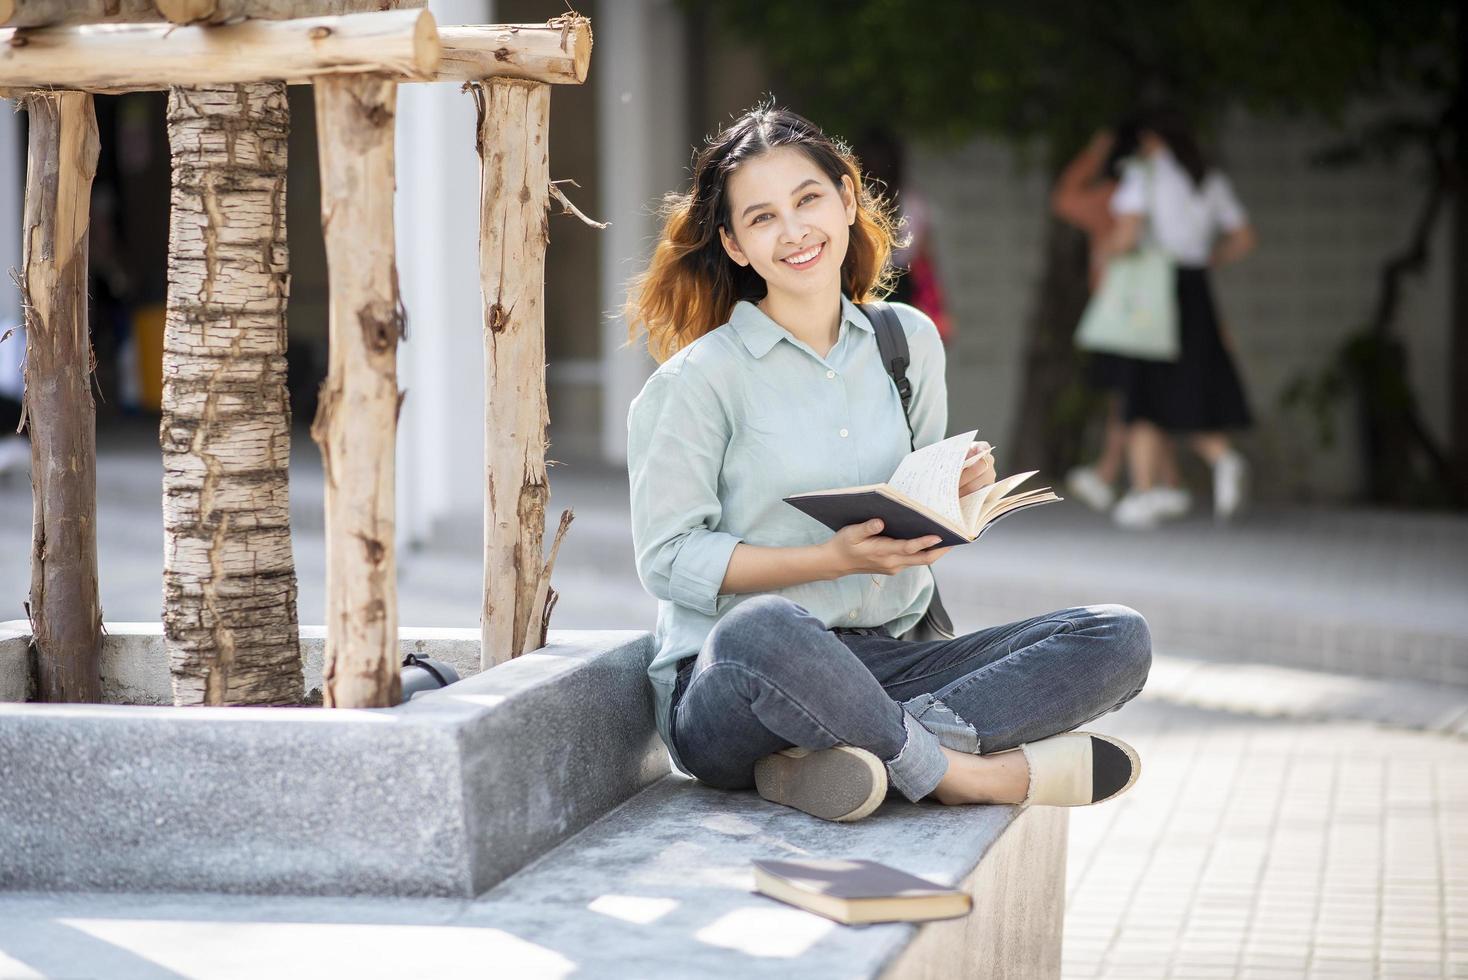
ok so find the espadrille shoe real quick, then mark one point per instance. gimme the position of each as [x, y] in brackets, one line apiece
[1079, 768]
[844, 783]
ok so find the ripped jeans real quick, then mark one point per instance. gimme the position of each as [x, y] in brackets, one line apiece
[771, 676]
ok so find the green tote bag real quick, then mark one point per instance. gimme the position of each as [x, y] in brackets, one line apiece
[1134, 313]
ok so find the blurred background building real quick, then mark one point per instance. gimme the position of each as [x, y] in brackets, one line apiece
[663, 75]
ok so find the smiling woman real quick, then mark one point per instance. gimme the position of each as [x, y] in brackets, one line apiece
[783, 658]
[816, 193]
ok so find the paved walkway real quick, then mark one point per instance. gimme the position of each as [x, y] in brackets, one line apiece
[1289, 823]
[1259, 847]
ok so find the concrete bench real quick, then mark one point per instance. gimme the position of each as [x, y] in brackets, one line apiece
[536, 793]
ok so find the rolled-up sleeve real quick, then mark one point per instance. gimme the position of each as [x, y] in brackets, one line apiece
[677, 433]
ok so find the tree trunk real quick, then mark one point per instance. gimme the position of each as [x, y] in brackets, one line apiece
[229, 582]
[42, 13]
[356, 423]
[513, 144]
[64, 608]
[1050, 423]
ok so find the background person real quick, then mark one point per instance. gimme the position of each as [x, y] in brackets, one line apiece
[1082, 197]
[1190, 210]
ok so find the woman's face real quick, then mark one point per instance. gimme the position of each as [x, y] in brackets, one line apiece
[789, 222]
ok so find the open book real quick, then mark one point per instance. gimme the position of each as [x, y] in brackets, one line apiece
[856, 891]
[921, 498]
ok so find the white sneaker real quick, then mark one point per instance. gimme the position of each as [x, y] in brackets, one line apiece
[1230, 474]
[15, 455]
[1171, 503]
[1139, 510]
[1093, 491]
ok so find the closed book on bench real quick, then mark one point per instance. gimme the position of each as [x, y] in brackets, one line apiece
[858, 891]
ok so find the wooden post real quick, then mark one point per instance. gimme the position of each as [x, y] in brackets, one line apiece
[127, 57]
[356, 423]
[64, 608]
[229, 581]
[222, 11]
[513, 142]
[41, 13]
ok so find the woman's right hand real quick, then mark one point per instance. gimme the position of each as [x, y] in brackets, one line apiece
[860, 549]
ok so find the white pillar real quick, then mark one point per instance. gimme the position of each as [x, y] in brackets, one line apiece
[440, 452]
[12, 202]
[644, 151]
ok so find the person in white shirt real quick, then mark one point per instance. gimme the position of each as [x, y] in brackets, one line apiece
[1189, 209]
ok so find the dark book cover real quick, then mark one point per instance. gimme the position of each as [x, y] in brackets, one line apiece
[837, 510]
[852, 879]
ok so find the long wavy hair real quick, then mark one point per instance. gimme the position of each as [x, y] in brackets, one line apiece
[690, 285]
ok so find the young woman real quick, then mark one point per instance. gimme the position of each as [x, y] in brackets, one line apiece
[1082, 197]
[1190, 210]
[780, 663]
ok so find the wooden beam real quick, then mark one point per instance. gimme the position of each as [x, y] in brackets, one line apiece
[135, 57]
[223, 11]
[42, 13]
[356, 423]
[229, 580]
[558, 53]
[514, 191]
[64, 608]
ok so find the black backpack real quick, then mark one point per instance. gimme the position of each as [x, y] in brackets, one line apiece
[936, 624]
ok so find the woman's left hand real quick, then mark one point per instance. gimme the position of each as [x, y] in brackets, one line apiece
[978, 469]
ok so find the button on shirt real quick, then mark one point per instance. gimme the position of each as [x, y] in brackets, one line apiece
[1182, 217]
[743, 417]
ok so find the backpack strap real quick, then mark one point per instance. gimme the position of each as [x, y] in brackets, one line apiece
[892, 344]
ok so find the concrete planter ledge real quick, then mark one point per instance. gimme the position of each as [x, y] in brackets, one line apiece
[443, 796]
[663, 888]
[658, 889]
[135, 662]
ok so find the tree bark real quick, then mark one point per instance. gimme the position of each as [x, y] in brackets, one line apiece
[221, 11]
[514, 191]
[43, 13]
[356, 423]
[229, 582]
[1050, 422]
[65, 609]
[130, 57]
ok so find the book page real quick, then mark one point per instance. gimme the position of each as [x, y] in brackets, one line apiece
[931, 474]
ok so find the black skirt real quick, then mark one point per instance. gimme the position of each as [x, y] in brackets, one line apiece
[1200, 391]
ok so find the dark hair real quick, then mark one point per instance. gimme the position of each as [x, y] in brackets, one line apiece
[1125, 137]
[691, 285]
[1168, 125]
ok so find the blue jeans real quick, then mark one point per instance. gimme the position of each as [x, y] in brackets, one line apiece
[771, 676]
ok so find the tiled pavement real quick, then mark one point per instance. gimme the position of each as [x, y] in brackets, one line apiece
[1257, 847]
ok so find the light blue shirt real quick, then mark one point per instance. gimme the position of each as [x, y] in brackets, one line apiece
[747, 415]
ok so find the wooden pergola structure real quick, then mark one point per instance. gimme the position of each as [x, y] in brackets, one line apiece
[354, 56]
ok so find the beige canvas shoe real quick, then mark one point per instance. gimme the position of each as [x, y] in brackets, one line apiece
[842, 784]
[1079, 768]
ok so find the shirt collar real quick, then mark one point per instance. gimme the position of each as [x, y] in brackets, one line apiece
[759, 333]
